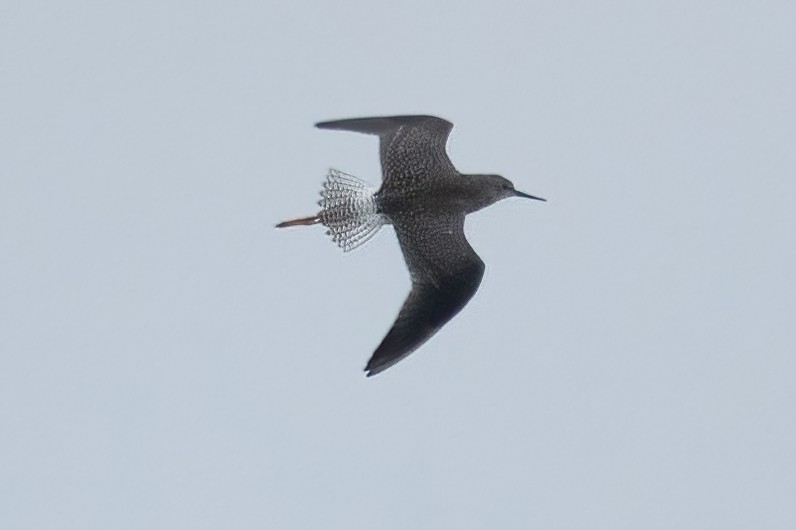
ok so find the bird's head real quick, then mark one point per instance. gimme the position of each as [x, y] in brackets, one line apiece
[493, 188]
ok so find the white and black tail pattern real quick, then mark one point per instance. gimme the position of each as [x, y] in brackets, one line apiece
[348, 210]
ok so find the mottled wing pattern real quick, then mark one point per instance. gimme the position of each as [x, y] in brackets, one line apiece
[446, 273]
[411, 147]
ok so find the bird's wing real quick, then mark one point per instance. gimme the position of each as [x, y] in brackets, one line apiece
[410, 146]
[446, 273]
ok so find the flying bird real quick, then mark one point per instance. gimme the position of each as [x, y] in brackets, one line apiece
[425, 199]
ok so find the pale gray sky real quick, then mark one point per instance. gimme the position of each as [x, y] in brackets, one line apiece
[170, 360]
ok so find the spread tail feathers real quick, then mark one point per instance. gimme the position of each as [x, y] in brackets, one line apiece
[348, 211]
[312, 220]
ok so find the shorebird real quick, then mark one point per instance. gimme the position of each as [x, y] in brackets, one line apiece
[425, 199]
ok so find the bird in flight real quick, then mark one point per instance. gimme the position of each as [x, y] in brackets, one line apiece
[425, 199]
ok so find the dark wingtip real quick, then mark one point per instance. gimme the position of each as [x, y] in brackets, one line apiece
[382, 124]
[370, 371]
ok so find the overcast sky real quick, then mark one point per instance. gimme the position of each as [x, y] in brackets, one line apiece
[170, 360]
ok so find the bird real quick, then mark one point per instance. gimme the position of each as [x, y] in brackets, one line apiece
[425, 199]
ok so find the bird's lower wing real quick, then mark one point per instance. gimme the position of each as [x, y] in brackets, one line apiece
[425, 311]
[446, 273]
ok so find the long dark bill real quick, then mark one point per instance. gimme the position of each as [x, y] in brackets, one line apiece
[521, 194]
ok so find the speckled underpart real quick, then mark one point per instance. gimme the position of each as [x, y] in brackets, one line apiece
[348, 210]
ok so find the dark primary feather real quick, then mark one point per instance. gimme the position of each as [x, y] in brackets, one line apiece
[446, 273]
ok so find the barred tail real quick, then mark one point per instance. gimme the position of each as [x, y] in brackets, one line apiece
[313, 220]
[348, 210]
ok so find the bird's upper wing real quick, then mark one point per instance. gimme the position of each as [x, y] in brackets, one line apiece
[446, 273]
[410, 146]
